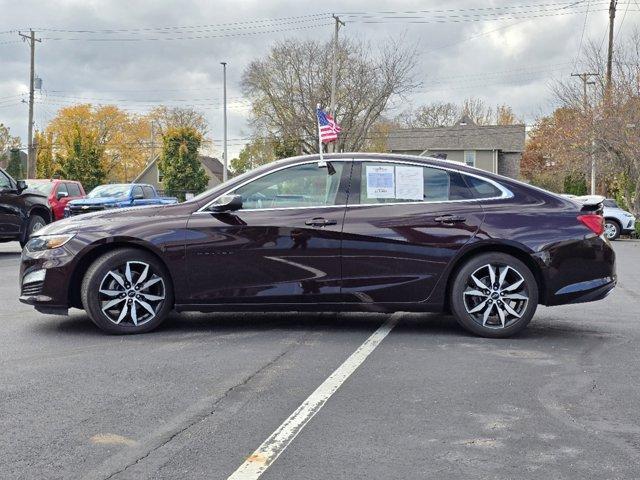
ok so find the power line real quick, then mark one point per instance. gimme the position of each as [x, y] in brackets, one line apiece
[584, 27]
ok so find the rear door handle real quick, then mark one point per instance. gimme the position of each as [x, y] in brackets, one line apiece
[450, 219]
[320, 222]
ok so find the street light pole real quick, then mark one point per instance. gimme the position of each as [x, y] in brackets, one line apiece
[224, 108]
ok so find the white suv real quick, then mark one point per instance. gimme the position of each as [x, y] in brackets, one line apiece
[616, 220]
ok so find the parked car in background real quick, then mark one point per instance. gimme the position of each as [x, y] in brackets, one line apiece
[58, 193]
[22, 211]
[359, 231]
[117, 195]
[616, 220]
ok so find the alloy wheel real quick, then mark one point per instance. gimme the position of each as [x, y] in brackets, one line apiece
[495, 296]
[610, 230]
[131, 294]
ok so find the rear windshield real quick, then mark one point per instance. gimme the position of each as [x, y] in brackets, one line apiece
[104, 191]
[42, 187]
[610, 203]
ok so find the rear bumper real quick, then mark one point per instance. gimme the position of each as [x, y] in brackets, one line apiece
[589, 291]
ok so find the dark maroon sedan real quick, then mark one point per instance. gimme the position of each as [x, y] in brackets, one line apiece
[357, 232]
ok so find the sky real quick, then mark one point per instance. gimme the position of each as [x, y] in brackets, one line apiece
[137, 54]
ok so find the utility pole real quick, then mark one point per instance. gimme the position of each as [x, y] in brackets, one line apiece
[585, 105]
[224, 108]
[31, 154]
[612, 17]
[334, 69]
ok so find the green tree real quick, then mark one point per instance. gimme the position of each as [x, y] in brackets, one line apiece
[261, 151]
[14, 167]
[81, 158]
[45, 162]
[575, 184]
[179, 163]
[7, 141]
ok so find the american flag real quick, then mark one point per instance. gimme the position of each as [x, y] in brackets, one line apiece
[327, 127]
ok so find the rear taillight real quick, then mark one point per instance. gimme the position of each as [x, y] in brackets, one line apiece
[593, 222]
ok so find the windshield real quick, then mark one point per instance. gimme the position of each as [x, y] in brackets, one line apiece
[42, 187]
[104, 191]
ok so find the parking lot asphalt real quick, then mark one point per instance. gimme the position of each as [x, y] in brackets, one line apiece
[196, 398]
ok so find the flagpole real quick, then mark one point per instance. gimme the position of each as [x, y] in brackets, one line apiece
[321, 161]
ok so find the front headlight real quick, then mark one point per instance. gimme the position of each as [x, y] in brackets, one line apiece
[47, 242]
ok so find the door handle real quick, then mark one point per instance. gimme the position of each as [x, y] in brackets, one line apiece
[319, 222]
[449, 219]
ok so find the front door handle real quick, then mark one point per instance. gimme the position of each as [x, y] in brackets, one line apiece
[450, 219]
[320, 222]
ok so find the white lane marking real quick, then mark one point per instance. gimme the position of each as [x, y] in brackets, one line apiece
[258, 462]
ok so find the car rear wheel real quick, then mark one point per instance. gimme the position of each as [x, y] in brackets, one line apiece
[611, 229]
[494, 295]
[127, 291]
[36, 222]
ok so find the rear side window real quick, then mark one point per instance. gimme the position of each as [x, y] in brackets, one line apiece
[73, 189]
[481, 188]
[148, 192]
[383, 182]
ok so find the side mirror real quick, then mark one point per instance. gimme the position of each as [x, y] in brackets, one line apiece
[21, 186]
[62, 195]
[138, 196]
[226, 203]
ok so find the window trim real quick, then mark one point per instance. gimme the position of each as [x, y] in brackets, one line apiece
[506, 193]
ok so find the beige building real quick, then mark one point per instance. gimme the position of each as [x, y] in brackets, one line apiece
[151, 173]
[494, 148]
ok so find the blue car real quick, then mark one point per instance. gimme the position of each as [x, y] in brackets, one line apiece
[117, 195]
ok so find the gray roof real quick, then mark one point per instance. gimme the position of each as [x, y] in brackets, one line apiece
[508, 138]
[213, 165]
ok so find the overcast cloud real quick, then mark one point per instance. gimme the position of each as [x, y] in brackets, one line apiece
[465, 51]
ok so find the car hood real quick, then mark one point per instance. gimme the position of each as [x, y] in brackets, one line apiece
[101, 221]
[98, 200]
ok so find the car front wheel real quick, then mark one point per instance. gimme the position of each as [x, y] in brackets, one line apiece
[494, 295]
[127, 291]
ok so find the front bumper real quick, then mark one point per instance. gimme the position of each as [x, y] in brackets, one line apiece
[49, 293]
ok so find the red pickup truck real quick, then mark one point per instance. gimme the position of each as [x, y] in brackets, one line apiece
[58, 192]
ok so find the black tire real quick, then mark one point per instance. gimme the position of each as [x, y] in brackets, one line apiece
[611, 225]
[497, 303]
[35, 223]
[98, 275]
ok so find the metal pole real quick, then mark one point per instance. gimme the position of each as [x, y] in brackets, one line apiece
[31, 157]
[319, 137]
[224, 108]
[612, 17]
[334, 70]
[585, 105]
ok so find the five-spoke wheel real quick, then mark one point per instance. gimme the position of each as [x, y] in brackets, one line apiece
[127, 291]
[494, 295]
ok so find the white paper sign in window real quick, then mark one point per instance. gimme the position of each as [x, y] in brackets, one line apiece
[380, 181]
[410, 183]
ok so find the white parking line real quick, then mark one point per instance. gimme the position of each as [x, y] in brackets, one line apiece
[278, 441]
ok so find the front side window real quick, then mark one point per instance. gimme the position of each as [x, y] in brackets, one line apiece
[62, 188]
[5, 183]
[382, 182]
[137, 192]
[304, 185]
[470, 158]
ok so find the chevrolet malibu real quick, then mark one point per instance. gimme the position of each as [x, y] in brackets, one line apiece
[351, 232]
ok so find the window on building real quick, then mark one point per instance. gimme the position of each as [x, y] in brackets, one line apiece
[160, 175]
[470, 158]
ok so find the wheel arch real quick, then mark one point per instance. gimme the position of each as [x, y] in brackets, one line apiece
[96, 251]
[41, 210]
[517, 251]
